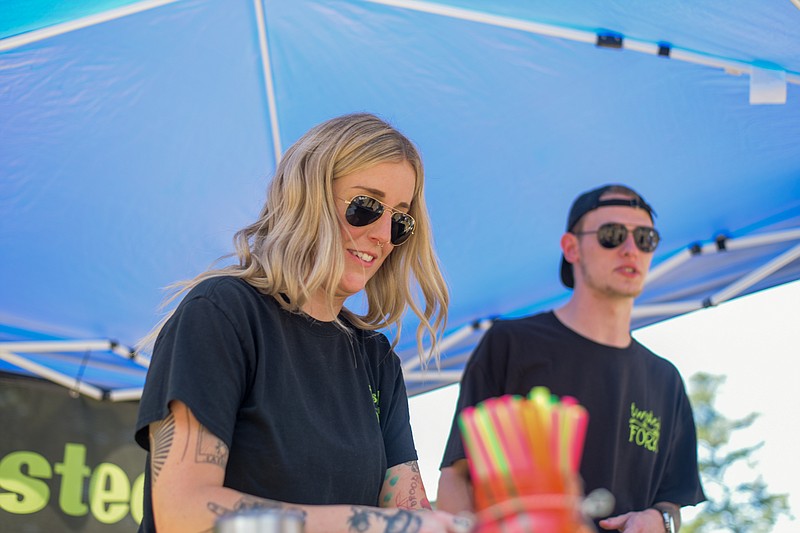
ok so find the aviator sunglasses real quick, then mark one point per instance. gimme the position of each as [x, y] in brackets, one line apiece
[363, 210]
[613, 234]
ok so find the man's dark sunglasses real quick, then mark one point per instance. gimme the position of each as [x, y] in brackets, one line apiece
[613, 234]
[363, 210]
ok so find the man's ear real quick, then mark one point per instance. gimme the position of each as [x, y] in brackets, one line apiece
[569, 247]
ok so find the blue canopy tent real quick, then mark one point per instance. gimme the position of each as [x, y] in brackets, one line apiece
[137, 136]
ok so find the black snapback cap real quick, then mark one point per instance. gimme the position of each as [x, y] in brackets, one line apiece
[589, 201]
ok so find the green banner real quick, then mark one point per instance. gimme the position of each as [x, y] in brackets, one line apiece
[67, 463]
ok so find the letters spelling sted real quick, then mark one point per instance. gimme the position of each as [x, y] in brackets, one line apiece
[111, 494]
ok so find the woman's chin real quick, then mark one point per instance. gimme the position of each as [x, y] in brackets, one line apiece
[350, 285]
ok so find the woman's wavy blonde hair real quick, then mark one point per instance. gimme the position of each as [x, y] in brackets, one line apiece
[295, 247]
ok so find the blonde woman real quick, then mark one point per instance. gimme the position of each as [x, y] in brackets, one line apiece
[264, 390]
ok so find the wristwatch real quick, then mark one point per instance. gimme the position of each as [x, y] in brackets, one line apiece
[669, 523]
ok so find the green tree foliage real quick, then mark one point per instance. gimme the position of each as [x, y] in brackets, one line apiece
[744, 507]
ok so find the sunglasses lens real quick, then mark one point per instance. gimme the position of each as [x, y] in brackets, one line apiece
[402, 228]
[363, 211]
[611, 235]
[647, 239]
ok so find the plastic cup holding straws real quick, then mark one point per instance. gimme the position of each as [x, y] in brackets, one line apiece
[524, 455]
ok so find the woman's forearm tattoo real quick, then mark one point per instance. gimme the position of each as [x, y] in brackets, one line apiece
[414, 498]
[250, 503]
[247, 503]
[400, 522]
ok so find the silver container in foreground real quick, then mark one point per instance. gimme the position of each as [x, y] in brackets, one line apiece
[262, 521]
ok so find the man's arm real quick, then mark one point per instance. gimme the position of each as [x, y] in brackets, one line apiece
[674, 510]
[455, 489]
[647, 521]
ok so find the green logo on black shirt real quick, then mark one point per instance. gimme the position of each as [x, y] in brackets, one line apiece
[376, 402]
[645, 428]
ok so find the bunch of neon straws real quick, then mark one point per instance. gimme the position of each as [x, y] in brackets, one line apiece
[524, 454]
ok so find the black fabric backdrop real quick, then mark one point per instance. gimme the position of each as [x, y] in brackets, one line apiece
[66, 463]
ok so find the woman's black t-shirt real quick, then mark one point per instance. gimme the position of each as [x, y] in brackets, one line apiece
[310, 413]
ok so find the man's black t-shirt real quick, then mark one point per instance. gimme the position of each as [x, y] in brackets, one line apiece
[309, 413]
[641, 442]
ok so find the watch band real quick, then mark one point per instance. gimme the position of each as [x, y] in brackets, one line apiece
[668, 522]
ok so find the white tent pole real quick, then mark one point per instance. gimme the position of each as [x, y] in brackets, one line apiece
[671, 308]
[450, 340]
[730, 244]
[732, 66]
[743, 243]
[759, 240]
[56, 346]
[457, 360]
[444, 375]
[670, 264]
[737, 287]
[539, 28]
[75, 346]
[266, 69]
[138, 358]
[22, 39]
[122, 395]
[128, 353]
[56, 377]
[461, 333]
[755, 276]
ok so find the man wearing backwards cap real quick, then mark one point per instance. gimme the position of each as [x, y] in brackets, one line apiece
[641, 442]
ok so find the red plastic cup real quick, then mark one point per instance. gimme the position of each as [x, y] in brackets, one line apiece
[539, 513]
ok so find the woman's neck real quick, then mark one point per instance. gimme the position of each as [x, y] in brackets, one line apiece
[320, 308]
